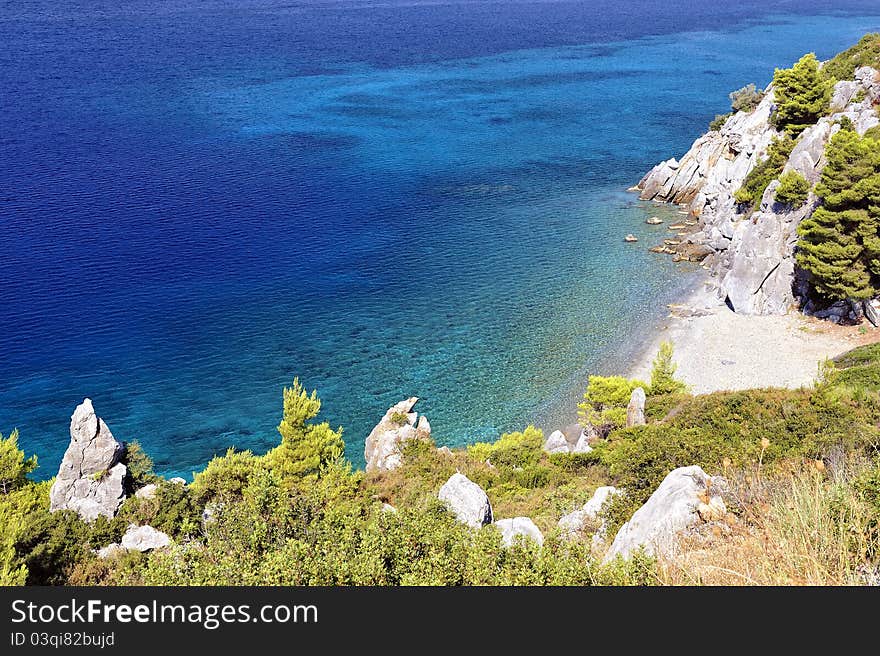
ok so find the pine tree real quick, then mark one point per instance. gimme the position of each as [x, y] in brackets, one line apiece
[802, 94]
[839, 243]
[663, 372]
[14, 467]
[305, 447]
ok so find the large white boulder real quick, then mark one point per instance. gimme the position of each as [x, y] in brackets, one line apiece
[144, 538]
[524, 526]
[90, 479]
[685, 498]
[466, 500]
[573, 522]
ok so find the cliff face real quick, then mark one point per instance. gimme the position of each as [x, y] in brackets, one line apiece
[750, 256]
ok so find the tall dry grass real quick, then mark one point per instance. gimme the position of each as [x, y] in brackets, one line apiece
[802, 525]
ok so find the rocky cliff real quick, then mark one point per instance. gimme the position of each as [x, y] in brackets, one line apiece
[750, 255]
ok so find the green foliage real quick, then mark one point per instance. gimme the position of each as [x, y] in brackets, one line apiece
[399, 418]
[765, 172]
[718, 122]
[802, 93]
[745, 99]
[839, 244]
[663, 372]
[605, 401]
[14, 467]
[793, 189]
[173, 510]
[139, 465]
[306, 448]
[512, 449]
[865, 53]
[225, 477]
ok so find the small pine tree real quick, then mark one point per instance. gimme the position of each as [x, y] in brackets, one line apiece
[305, 448]
[802, 93]
[663, 372]
[793, 189]
[14, 467]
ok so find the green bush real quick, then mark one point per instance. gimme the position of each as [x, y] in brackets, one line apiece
[225, 477]
[14, 467]
[511, 449]
[663, 379]
[605, 401]
[865, 53]
[793, 189]
[746, 99]
[718, 122]
[139, 466]
[765, 172]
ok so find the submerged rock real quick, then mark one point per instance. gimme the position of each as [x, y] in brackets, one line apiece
[524, 526]
[467, 500]
[90, 479]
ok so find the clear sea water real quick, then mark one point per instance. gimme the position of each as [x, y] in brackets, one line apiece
[200, 200]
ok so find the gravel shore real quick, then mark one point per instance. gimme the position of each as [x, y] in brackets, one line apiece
[717, 349]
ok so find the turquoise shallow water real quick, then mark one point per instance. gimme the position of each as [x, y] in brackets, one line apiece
[188, 229]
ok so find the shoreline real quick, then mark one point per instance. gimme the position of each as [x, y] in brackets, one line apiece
[716, 349]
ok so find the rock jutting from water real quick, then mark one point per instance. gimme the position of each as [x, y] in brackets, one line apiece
[399, 424]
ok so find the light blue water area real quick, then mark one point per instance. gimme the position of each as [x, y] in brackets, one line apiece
[201, 201]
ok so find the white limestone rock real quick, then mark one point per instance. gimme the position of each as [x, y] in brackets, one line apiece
[467, 500]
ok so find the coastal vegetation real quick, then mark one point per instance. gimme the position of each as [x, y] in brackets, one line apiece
[300, 515]
[802, 94]
[793, 189]
[840, 243]
[765, 172]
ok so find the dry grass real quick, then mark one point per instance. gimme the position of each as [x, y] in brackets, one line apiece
[802, 526]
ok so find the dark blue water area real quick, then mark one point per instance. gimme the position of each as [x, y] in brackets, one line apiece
[201, 200]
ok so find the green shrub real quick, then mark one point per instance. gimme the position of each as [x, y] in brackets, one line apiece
[14, 467]
[793, 189]
[746, 99]
[663, 373]
[225, 477]
[753, 187]
[605, 401]
[718, 122]
[399, 418]
[865, 53]
[512, 449]
[139, 466]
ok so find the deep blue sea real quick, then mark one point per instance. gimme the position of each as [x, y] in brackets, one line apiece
[201, 199]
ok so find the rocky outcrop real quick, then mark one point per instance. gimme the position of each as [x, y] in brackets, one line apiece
[400, 423]
[467, 501]
[90, 479]
[685, 498]
[635, 411]
[518, 526]
[575, 522]
[144, 538]
[572, 439]
[750, 256]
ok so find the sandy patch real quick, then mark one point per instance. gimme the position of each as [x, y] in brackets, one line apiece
[717, 349]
